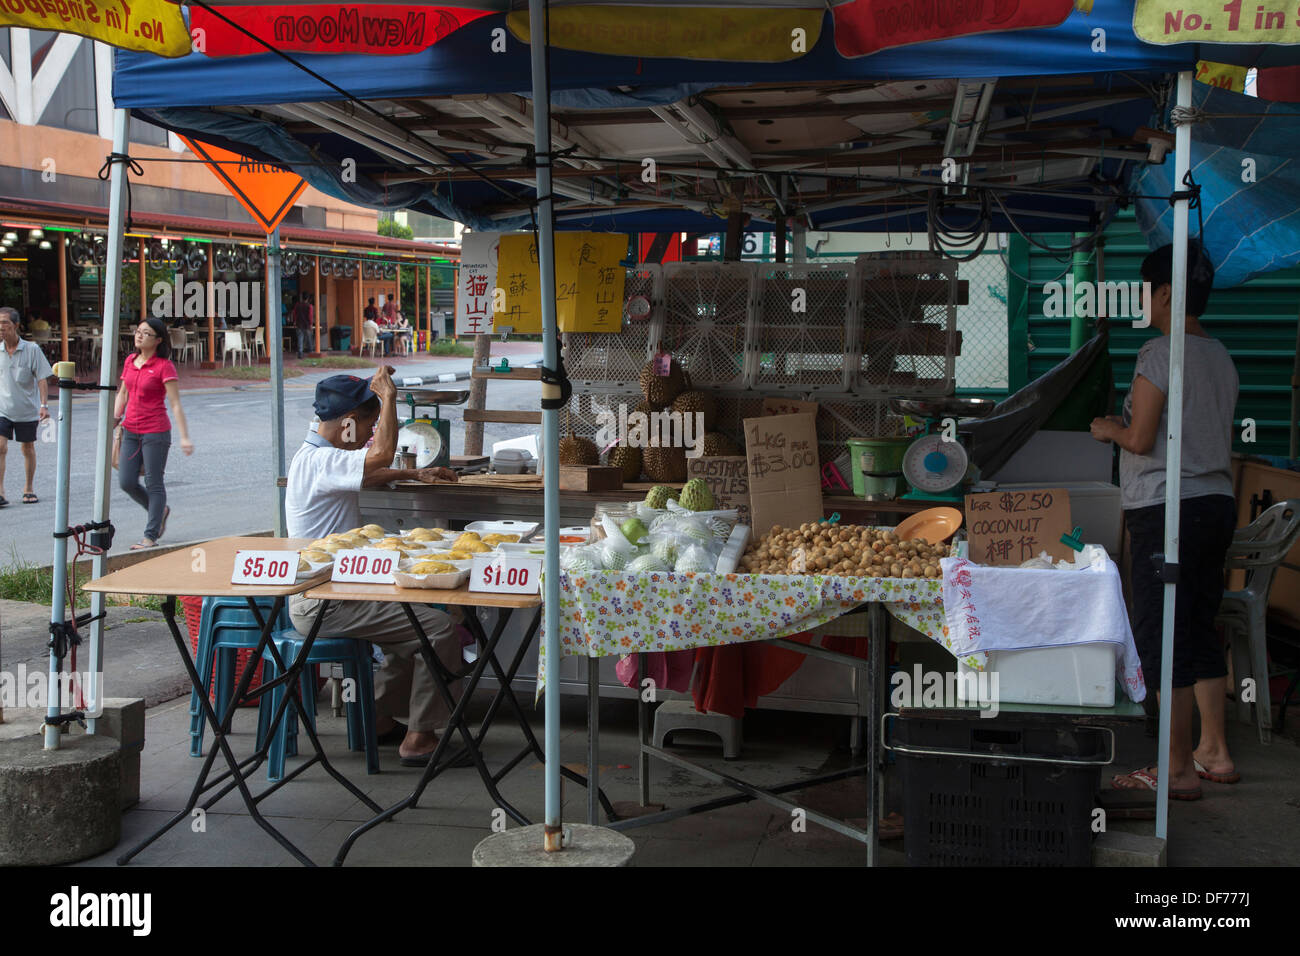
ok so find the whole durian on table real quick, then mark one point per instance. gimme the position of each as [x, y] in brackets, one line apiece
[627, 458]
[718, 445]
[578, 451]
[692, 401]
[664, 464]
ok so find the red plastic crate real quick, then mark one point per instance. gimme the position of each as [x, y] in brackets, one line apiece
[193, 613]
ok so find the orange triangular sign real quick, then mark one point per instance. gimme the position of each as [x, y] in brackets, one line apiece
[268, 192]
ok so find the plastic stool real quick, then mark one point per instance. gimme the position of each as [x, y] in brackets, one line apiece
[229, 623]
[354, 655]
[675, 715]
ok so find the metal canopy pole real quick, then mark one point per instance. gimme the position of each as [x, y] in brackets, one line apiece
[107, 369]
[1174, 454]
[550, 416]
[275, 351]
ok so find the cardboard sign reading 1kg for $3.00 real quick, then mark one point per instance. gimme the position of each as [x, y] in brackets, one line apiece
[785, 485]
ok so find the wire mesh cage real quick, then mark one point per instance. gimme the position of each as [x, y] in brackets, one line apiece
[904, 324]
[801, 329]
[603, 359]
[707, 307]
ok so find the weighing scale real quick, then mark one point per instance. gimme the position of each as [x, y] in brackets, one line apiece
[428, 438]
[935, 468]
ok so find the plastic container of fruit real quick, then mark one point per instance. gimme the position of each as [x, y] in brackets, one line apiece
[442, 581]
[504, 526]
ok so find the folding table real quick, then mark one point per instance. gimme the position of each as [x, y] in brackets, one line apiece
[205, 571]
[506, 604]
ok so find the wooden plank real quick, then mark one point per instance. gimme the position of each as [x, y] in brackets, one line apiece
[503, 416]
[518, 374]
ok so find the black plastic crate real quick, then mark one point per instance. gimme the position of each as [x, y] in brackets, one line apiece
[980, 811]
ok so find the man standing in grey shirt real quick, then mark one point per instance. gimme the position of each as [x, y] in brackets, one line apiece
[24, 393]
[1207, 519]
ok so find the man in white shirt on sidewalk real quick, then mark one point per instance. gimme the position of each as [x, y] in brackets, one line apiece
[24, 394]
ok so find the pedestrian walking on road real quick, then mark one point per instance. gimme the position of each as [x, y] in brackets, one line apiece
[302, 316]
[24, 391]
[148, 376]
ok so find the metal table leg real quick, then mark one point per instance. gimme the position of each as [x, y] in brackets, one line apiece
[643, 732]
[593, 740]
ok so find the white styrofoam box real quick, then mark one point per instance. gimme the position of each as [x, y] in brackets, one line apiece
[1073, 674]
[1051, 458]
[1094, 507]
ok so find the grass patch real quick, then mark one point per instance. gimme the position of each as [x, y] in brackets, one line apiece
[23, 581]
[250, 373]
[450, 347]
[337, 361]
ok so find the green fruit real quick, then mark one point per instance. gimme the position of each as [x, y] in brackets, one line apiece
[696, 496]
[647, 563]
[659, 495]
[634, 529]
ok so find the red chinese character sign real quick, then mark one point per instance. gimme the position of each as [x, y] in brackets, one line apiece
[478, 277]
[386, 29]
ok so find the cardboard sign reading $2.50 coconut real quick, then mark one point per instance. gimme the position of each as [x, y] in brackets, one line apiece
[785, 486]
[1007, 528]
[728, 478]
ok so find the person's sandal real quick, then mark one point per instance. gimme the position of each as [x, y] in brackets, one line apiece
[144, 544]
[29, 498]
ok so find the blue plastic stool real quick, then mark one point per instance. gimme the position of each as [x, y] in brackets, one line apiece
[354, 655]
[227, 626]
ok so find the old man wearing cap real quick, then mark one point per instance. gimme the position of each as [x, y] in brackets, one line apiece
[325, 481]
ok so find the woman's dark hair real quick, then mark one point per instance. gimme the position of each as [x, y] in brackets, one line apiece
[1158, 269]
[164, 342]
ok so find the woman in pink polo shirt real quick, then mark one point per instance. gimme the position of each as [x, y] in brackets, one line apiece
[148, 376]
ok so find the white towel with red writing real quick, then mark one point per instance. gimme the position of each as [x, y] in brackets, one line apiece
[1013, 609]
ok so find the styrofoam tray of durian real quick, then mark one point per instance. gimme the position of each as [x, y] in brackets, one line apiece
[503, 527]
[406, 576]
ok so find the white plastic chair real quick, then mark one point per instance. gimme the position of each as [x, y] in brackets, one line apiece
[1257, 549]
[234, 345]
[259, 342]
[369, 338]
[180, 345]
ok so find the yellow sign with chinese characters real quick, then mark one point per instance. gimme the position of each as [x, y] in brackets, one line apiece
[518, 287]
[148, 26]
[1213, 21]
[588, 283]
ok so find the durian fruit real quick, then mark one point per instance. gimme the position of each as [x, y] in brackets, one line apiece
[718, 445]
[629, 459]
[315, 555]
[692, 401]
[660, 390]
[578, 451]
[373, 531]
[665, 464]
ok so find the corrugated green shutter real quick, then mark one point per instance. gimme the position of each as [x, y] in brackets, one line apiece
[1256, 321]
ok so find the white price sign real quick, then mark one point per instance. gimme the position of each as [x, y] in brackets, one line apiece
[265, 567]
[506, 574]
[365, 566]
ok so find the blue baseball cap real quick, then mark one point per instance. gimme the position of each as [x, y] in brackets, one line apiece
[340, 394]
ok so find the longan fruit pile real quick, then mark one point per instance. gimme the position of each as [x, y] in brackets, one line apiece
[842, 551]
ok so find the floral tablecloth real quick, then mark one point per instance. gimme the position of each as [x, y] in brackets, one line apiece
[617, 612]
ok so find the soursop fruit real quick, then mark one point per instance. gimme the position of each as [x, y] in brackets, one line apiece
[721, 529]
[579, 560]
[694, 560]
[696, 496]
[658, 496]
[665, 550]
[696, 530]
[646, 563]
[613, 559]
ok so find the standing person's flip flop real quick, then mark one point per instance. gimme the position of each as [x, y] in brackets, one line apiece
[4, 502]
[143, 544]
[1230, 777]
[29, 498]
[1144, 779]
